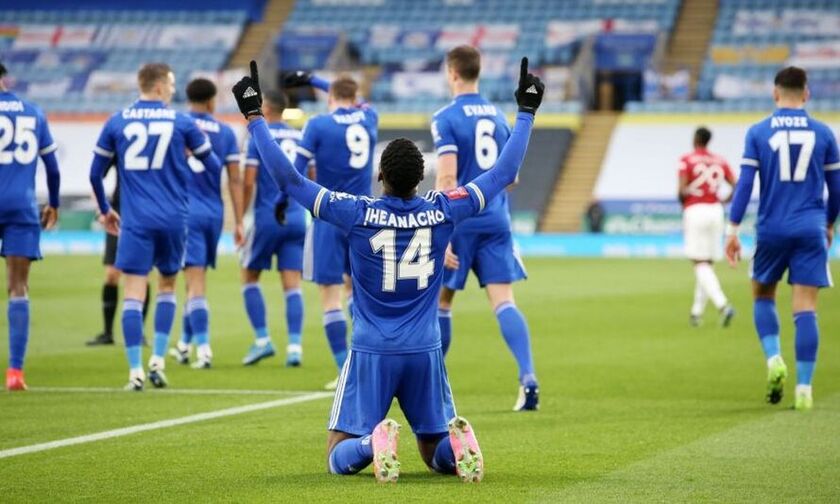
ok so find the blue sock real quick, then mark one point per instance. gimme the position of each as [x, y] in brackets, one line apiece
[445, 323]
[294, 315]
[444, 459]
[335, 326]
[807, 343]
[132, 326]
[18, 314]
[351, 456]
[255, 308]
[199, 319]
[186, 333]
[164, 318]
[515, 331]
[766, 320]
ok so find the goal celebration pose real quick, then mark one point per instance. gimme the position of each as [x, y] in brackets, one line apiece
[397, 243]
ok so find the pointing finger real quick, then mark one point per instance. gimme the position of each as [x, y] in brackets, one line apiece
[255, 76]
[523, 69]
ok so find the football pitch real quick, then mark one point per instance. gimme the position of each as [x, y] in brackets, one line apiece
[636, 405]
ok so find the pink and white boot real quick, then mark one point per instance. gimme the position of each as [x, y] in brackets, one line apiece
[384, 440]
[469, 463]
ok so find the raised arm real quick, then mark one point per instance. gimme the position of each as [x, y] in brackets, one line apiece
[278, 166]
[494, 181]
[298, 78]
[489, 184]
[336, 208]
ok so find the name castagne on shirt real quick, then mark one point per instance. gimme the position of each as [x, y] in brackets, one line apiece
[148, 113]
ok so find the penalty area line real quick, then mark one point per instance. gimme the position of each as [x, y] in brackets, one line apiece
[175, 391]
[162, 424]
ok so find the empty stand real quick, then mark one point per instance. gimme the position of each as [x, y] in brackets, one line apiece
[573, 190]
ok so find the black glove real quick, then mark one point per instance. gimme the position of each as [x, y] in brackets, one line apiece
[530, 91]
[247, 93]
[296, 78]
[280, 211]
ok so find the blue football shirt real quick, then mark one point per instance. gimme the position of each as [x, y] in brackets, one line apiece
[476, 131]
[791, 152]
[342, 144]
[396, 245]
[396, 255]
[150, 142]
[268, 194]
[24, 135]
[205, 190]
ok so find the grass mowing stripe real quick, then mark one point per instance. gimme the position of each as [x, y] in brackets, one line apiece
[114, 390]
[163, 424]
[803, 444]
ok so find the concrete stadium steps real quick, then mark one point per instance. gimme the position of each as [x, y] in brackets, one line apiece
[257, 35]
[690, 38]
[573, 191]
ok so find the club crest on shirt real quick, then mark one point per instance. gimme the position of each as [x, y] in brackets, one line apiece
[338, 196]
[458, 193]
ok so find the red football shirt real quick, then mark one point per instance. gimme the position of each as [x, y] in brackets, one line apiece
[704, 171]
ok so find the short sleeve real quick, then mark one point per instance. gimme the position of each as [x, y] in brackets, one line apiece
[309, 143]
[374, 116]
[46, 143]
[750, 157]
[231, 151]
[443, 136]
[682, 168]
[252, 157]
[338, 208]
[106, 144]
[832, 157]
[194, 138]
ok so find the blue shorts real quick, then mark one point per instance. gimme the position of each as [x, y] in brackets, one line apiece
[20, 240]
[267, 238]
[139, 250]
[370, 382]
[493, 257]
[202, 242]
[806, 260]
[326, 257]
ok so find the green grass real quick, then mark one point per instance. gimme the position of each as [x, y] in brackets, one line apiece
[636, 405]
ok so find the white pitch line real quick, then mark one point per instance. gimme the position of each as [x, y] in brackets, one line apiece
[162, 424]
[112, 390]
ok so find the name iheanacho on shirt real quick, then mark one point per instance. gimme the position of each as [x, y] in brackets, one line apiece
[426, 218]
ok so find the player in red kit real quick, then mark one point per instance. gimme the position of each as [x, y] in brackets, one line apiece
[701, 174]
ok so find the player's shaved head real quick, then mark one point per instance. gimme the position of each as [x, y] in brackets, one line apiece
[465, 61]
[401, 168]
[201, 90]
[791, 80]
[344, 88]
[152, 73]
[702, 137]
